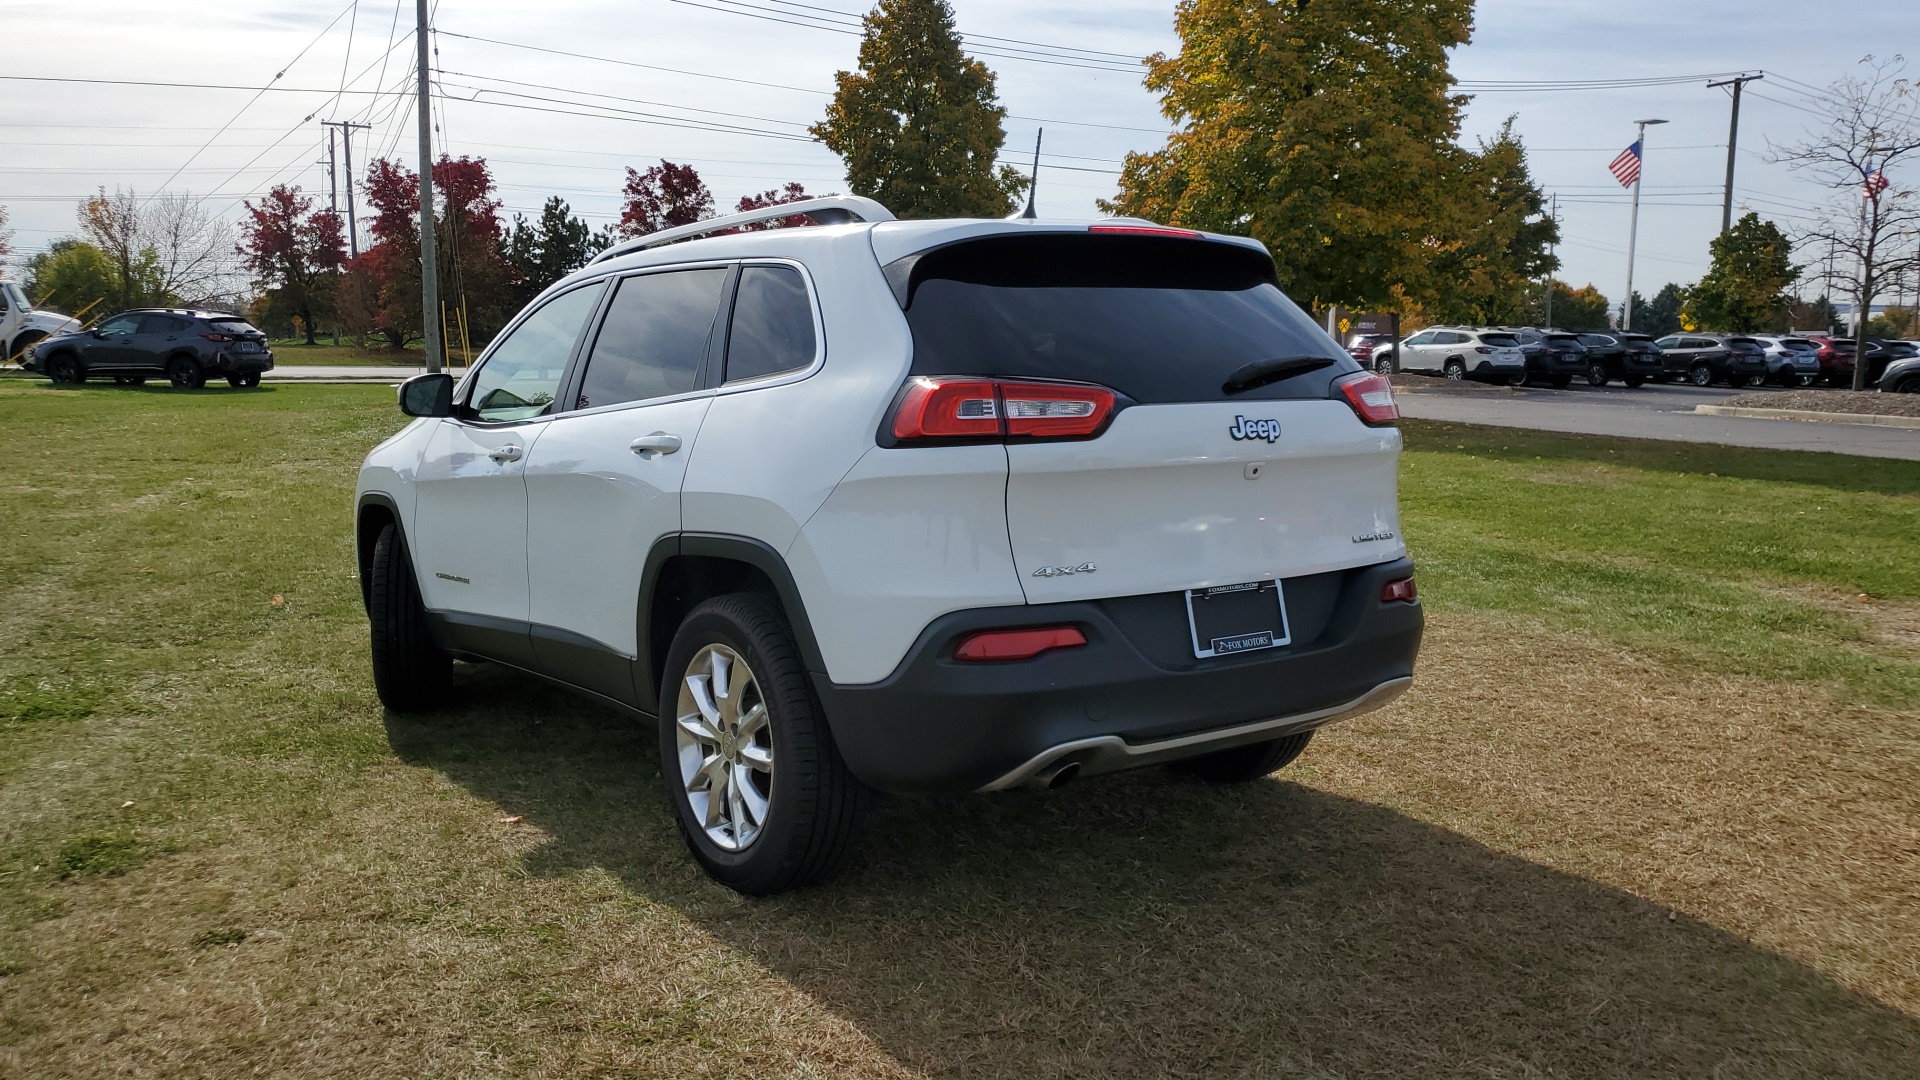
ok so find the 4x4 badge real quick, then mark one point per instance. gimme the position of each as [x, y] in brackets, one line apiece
[1245, 429]
[1063, 571]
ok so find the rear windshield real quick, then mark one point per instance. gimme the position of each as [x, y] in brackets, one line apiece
[1159, 319]
[1797, 344]
[235, 326]
[1500, 341]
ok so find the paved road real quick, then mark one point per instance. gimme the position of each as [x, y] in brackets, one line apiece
[1652, 412]
[347, 373]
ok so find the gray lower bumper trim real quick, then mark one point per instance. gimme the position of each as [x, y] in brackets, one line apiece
[1110, 753]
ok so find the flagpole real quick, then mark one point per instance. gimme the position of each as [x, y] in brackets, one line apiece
[1633, 226]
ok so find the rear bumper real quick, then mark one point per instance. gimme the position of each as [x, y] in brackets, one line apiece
[1133, 695]
[260, 361]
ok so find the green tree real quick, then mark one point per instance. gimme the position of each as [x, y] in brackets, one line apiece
[1506, 239]
[1582, 308]
[1660, 315]
[1324, 128]
[918, 124]
[1746, 287]
[544, 251]
[71, 275]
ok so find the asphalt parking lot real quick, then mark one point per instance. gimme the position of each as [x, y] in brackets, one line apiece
[1647, 412]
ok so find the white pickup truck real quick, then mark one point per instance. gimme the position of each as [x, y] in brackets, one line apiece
[21, 326]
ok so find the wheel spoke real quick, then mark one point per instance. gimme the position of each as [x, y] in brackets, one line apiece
[701, 688]
[760, 758]
[752, 721]
[696, 725]
[720, 687]
[736, 813]
[750, 797]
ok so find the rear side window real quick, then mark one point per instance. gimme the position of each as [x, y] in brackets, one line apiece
[654, 338]
[1159, 319]
[1448, 337]
[162, 324]
[772, 324]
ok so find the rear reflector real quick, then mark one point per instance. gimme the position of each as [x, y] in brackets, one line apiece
[1145, 230]
[1401, 591]
[1018, 644]
[1371, 397]
[989, 409]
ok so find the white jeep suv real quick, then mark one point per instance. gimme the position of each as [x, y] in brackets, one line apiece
[927, 506]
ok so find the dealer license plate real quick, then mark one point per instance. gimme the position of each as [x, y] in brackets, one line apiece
[246, 346]
[1231, 619]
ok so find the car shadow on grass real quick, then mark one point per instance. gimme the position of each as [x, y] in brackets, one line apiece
[1146, 924]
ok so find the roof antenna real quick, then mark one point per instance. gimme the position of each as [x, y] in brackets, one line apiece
[1033, 182]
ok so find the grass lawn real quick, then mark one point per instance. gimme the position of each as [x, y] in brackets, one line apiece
[1651, 810]
[345, 354]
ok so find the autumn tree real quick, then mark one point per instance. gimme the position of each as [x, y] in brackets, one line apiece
[918, 123]
[1503, 238]
[1324, 128]
[6, 235]
[1582, 308]
[1745, 289]
[295, 252]
[166, 250]
[72, 276]
[663, 197]
[780, 196]
[542, 252]
[385, 289]
[1872, 125]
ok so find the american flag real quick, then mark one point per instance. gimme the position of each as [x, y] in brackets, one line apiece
[1876, 183]
[1626, 167]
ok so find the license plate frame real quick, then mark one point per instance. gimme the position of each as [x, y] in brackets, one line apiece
[1234, 619]
[246, 346]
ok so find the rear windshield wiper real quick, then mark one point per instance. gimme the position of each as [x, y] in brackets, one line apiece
[1264, 372]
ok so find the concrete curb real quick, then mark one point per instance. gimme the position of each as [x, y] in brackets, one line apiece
[1874, 419]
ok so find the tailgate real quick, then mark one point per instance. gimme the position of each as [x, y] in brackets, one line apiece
[1169, 499]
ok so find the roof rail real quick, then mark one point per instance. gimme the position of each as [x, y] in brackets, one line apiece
[828, 210]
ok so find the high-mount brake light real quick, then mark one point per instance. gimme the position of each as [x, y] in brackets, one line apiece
[1025, 644]
[1145, 230]
[1371, 397]
[941, 407]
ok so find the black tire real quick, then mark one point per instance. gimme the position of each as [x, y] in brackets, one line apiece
[1244, 763]
[1634, 382]
[1597, 375]
[1561, 382]
[1518, 378]
[64, 368]
[1383, 365]
[1803, 380]
[410, 672]
[1908, 385]
[23, 343]
[1700, 375]
[816, 809]
[1738, 382]
[250, 380]
[1455, 370]
[185, 374]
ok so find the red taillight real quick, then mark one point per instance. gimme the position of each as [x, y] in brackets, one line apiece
[973, 408]
[1145, 230]
[1401, 591]
[1040, 410]
[1483, 349]
[1371, 397]
[948, 409]
[216, 337]
[1026, 644]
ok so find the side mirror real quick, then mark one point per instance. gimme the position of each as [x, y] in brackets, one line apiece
[95, 333]
[427, 395]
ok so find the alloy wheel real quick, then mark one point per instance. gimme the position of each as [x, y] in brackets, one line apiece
[725, 747]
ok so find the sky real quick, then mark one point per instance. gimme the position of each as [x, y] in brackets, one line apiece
[731, 85]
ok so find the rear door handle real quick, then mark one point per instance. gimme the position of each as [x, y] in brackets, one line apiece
[657, 443]
[504, 454]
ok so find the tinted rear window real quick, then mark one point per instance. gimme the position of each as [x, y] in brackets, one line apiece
[1158, 319]
[235, 326]
[1500, 341]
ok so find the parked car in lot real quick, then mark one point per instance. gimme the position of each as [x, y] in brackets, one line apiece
[1373, 351]
[1463, 352]
[1558, 359]
[1791, 361]
[1901, 377]
[184, 346]
[21, 326]
[1882, 353]
[1704, 359]
[1619, 354]
[1835, 357]
[922, 506]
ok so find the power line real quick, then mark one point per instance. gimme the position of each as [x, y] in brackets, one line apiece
[632, 64]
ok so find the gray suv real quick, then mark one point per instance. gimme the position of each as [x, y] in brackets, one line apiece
[185, 346]
[1704, 359]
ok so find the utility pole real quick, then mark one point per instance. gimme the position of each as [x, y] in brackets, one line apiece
[333, 178]
[1553, 215]
[1033, 183]
[347, 128]
[1733, 141]
[1633, 226]
[429, 264]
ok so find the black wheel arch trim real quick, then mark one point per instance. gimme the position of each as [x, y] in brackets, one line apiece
[755, 553]
[363, 540]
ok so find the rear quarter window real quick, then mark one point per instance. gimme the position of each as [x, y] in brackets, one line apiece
[1158, 319]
